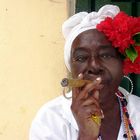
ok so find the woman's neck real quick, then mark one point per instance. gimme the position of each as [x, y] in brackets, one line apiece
[112, 120]
[108, 100]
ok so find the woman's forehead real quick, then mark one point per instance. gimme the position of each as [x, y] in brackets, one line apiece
[91, 38]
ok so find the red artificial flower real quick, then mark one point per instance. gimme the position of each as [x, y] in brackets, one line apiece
[129, 67]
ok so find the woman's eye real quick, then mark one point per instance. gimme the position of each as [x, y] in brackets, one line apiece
[81, 58]
[106, 56]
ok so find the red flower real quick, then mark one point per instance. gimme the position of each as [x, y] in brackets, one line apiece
[130, 67]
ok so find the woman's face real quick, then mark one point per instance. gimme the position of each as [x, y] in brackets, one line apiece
[93, 56]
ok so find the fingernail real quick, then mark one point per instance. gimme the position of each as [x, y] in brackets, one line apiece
[102, 114]
[98, 78]
[80, 75]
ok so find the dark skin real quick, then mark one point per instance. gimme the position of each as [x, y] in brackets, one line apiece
[92, 56]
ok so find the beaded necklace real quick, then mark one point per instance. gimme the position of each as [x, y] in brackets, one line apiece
[129, 130]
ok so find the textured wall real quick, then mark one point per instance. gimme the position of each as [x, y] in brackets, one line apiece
[31, 61]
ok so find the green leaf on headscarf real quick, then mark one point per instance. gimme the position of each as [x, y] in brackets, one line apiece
[136, 37]
[131, 53]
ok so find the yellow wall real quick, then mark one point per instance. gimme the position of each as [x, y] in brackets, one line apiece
[31, 61]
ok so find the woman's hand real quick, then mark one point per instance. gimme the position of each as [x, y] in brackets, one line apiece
[85, 103]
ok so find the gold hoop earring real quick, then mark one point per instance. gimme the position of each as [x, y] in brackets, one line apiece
[64, 93]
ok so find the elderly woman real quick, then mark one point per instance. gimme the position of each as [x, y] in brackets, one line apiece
[101, 47]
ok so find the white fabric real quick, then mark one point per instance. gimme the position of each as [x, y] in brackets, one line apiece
[55, 121]
[81, 22]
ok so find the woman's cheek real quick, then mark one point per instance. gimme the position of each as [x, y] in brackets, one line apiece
[78, 68]
[117, 72]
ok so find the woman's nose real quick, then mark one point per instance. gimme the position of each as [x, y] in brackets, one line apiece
[95, 67]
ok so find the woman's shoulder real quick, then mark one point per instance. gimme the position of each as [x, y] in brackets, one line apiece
[134, 102]
[133, 106]
[51, 119]
[134, 112]
[53, 107]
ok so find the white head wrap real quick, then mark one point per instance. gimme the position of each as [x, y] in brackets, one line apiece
[81, 22]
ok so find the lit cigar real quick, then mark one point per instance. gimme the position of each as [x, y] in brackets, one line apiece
[74, 82]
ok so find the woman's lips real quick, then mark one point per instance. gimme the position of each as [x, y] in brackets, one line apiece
[104, 80]
[93, 78]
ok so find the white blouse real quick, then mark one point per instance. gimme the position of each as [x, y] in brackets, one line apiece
[55, 121]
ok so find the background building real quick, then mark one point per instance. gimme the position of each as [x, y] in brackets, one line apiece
[31, 61]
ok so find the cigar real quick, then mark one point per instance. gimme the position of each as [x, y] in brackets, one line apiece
[74, 82]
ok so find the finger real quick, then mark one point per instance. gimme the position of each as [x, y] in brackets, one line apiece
[96, 94]
[75, 91]
[92, 110]
[89, 87]
[91, 101]
[97, 112]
